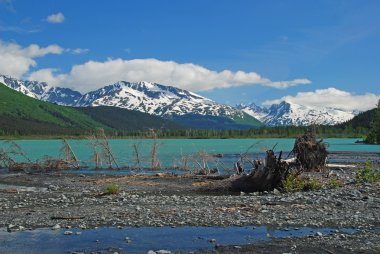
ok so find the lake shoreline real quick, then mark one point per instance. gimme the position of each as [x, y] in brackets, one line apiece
[61, 200]
[86, 137]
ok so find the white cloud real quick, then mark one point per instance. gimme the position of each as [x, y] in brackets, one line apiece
[92, 75]
[16, 61]
[331, 97]
[47, 75]
[56, 18]
[17, 29]
[77, 51]
[286, 84]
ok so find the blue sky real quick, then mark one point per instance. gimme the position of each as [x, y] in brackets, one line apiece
[230, 51]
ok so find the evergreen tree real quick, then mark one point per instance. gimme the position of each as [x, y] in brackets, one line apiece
[374, 134]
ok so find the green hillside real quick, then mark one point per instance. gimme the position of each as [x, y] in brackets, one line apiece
[362, 120]
[248, 120]
[215, 122]
[24, 115]
[124, 119]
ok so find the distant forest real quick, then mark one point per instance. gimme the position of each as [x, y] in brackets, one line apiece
[359, 127]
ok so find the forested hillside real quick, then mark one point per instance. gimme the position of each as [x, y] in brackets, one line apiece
[124, 119]
[22, 115]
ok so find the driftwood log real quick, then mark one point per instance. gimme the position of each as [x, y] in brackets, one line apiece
[310, 154]
[266, 176]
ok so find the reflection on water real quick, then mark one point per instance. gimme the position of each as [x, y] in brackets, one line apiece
[141, 240]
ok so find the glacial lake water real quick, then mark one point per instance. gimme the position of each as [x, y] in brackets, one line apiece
[174, 153]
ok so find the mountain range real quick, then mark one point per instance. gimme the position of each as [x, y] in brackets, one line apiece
[181, 105]
[155, 99]
[24, 115]
[288, 113]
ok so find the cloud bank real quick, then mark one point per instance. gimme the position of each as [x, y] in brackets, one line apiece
[331, 97]
[93, 74]
[16, 61]
[77, 51]
[56, 18]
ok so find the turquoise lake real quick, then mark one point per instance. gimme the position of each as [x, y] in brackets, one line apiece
[171, 152]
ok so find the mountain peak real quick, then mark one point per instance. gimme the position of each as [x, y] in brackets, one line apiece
[169, 101]
[42, 91]
[290, 113]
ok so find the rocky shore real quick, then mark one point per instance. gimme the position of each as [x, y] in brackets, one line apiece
[79, 201]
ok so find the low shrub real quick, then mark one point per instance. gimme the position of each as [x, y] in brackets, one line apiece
[294, 183]
[334, 183]
[112, 189]
[367, 175]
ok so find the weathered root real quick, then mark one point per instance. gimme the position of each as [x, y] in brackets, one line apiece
[266, 176]
[311, 155]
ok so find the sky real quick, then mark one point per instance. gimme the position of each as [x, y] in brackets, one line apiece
[232, 51]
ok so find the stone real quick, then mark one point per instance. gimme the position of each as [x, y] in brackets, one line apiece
[163, 252]
[10, 227]
[56, 227]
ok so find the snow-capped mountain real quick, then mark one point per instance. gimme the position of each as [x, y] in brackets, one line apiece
[253, 110]
[42, 91]
[156, 99]
[152, 98]
[171, 102]
[287, 113]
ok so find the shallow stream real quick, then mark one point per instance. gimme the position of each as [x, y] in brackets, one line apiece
[141, 240]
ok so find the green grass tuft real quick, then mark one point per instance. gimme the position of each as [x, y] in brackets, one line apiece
[112, 189]
[295, 183]
[367, 175]
[334, 183]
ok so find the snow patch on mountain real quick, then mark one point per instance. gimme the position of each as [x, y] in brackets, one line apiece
[42, 91]
[147, 97]
[287, 113]
[156, 99]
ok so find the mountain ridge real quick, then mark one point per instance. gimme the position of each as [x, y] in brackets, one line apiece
[288, 113]
[24, 115]
[147, 97]
[174, 103]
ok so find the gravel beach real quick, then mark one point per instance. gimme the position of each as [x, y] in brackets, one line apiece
[29, 201]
